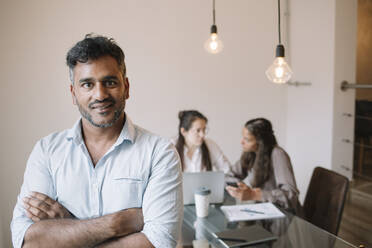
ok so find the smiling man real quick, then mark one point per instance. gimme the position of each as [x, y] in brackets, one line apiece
[105, 182]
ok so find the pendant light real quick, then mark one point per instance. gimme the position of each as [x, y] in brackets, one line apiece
[279, 72]
[213, 44]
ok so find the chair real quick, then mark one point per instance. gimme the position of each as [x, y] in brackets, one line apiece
[325, 198]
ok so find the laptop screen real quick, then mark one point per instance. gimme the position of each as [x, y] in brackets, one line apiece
[213, 180]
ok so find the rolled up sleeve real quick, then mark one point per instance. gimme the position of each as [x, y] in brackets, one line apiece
[19, 225]
[286, 193]
[162, 202]
[36, 178]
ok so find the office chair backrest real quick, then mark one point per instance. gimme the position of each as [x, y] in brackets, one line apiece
[325, 198]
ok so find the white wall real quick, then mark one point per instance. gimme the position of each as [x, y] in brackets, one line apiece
[167, 67]
[1, 235]
[322, 38]
[309, 119]
[344, 101]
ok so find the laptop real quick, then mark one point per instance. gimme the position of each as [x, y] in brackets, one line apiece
[213, 180]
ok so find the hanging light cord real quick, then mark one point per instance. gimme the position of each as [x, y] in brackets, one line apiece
[214, 13]
[280, 39]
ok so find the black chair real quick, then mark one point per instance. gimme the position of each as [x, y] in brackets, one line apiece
[325, 199]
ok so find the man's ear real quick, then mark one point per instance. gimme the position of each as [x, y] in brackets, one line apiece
[72, 90]
[126, 85]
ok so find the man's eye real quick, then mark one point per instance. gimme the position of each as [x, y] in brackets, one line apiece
[87, 85]
[110, 83]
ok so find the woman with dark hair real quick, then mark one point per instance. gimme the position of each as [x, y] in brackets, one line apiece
[265, 169]
[197, 152]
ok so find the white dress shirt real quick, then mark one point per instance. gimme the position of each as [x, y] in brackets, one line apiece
[139, 170]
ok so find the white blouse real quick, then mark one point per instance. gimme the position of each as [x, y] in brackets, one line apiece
[219, 161]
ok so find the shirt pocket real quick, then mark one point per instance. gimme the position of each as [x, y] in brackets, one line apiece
[128, 192]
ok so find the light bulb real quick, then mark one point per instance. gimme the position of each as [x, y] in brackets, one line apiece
[213, 44]
[279, 72]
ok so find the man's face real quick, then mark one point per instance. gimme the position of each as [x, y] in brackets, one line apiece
[100, 91]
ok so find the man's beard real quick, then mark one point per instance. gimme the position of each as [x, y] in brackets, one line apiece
[117, 112]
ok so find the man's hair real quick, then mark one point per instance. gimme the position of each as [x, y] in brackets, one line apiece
[93, 47]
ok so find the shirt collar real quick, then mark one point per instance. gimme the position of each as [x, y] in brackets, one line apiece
[186, 149]
[75, 132]
[128, 132]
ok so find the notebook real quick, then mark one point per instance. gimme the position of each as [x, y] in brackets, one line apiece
[256, 211]
[245, 236]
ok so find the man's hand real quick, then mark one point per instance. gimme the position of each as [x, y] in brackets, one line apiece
[244, 193]
[39, 207]
[112, 230]
[127, 221]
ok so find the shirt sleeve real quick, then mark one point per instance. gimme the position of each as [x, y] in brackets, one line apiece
[236, 169]
[286, 193]
[163, 202]
[220, 161]
[36, 178]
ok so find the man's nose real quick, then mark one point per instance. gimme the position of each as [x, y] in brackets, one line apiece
[100, 92]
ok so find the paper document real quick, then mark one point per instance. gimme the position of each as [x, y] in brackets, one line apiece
[256, 211]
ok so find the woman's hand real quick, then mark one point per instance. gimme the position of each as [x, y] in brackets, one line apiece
[244, 193]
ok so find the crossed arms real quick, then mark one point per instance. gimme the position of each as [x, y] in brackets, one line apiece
[113, 230]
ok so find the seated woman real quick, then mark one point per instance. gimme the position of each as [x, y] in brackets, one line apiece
[265, 169]
[197, 152]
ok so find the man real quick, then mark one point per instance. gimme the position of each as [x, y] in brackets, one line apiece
[106, 182]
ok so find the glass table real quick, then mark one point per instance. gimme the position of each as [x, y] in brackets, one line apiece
[291, 231]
